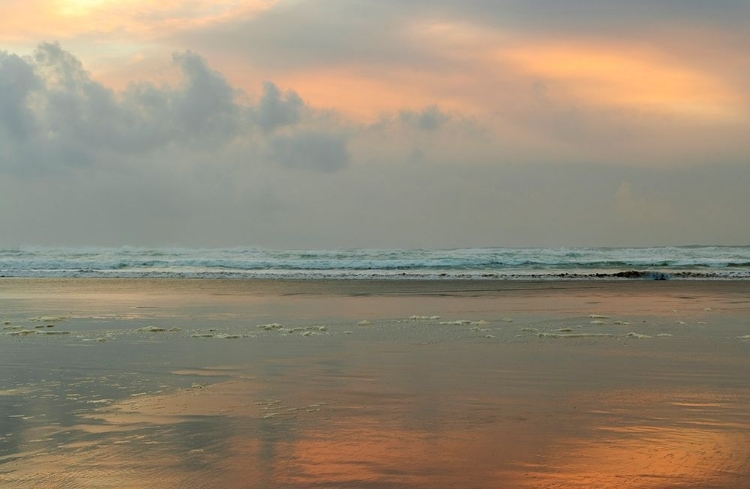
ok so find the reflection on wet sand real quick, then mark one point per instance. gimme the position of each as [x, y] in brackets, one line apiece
[653, 439]
[396, 404]
[307, 426]
[647, 457]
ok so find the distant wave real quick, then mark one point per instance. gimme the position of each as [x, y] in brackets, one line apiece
[659, 263]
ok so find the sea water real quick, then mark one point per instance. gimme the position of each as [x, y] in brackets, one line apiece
[657, 263]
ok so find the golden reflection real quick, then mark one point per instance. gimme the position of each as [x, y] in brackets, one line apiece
[651, 439]
[645, 457]
[234, 397]
[373, 451]
[632, 438]
[365, 452]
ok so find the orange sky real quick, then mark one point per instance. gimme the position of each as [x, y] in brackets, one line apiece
[484, 69]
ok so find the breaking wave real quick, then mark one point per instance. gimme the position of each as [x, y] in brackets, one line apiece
[660, 263]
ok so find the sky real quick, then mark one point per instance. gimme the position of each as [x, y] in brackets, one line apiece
[374, 123]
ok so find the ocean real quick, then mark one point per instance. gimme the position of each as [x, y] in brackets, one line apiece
[655, 263]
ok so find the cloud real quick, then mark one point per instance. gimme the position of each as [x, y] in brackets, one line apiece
[17, 81]
[623, 71]
[55, 117]
[305, 34]
[429, 119]
[198, 162]
[276, 109]
[70, 119]
[206, 102]
[610, 17]
[310, 150]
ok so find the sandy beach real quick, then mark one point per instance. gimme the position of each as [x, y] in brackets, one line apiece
[391, 383]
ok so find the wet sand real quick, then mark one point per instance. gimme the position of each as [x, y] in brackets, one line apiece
[262, 384]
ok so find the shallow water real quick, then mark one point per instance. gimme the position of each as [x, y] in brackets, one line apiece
[481, 401]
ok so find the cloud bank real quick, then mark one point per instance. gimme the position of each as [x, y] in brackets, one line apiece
[201, 162]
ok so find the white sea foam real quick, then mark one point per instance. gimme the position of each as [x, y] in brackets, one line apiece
[27, 332]
[23, 332]
[49, 319]
[574, 335]
[270, 327]
[152, 329]
[639, 336]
